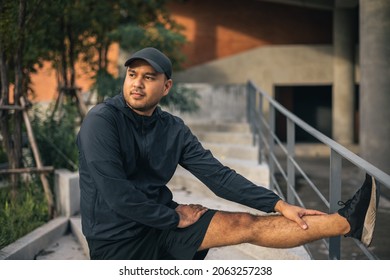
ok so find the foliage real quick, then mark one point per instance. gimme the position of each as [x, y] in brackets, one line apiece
[56, 137]
[134, 25]
[133, 37]
[21, 215]
[3, 155]
[181, 98]
[106, 85]
[37, 47]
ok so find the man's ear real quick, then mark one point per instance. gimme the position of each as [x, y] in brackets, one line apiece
[167, 86]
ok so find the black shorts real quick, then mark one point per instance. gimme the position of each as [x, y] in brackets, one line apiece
[154, 244]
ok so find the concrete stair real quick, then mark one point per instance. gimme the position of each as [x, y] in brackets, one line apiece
[231, 143]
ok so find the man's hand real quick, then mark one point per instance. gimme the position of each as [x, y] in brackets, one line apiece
[295, 213]
[189, 214]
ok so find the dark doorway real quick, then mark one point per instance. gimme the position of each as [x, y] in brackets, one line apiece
[312, 104]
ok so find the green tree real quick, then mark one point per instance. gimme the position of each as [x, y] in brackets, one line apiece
[64, 32]
[15, 24]
[133, 25]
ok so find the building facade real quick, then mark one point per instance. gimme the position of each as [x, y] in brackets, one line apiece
[327, 61]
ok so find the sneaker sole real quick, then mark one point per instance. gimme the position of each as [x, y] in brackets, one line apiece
[370, 218]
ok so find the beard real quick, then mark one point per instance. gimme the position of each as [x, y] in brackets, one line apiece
[142, 106]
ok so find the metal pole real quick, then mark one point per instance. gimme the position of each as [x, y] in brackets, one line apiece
[271, 144]
[290, 164]
[260, 117]
[249, 111]
[334, 198]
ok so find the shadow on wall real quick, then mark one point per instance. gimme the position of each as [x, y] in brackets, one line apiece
[217, 103]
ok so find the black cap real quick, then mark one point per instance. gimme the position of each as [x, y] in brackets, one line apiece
[159, 61]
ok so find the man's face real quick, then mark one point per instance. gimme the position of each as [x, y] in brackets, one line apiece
[143, 87]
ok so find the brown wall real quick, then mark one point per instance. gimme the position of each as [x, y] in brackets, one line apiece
[220, 28]
[44, 82]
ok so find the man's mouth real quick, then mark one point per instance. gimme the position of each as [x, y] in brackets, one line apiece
[137, 94]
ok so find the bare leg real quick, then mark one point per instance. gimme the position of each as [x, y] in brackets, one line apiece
[273, 231]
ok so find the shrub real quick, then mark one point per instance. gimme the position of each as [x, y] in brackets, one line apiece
[56, 137]
[22, 214]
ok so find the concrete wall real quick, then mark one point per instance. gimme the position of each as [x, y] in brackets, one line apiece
[218, 103]
[267, 67]
[67, 192]
[375, 82]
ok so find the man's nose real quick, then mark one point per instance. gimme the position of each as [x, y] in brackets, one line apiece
[138, 82]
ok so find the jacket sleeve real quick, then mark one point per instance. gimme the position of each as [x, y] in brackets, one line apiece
[99, 145]
[222, 180]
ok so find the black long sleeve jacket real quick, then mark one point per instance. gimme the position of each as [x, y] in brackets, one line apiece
[125, 162]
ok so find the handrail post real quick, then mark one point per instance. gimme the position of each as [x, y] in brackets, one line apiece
[260, 116]
[250, 107]
[290, 164]
[271, 144]
[334, 198]
[248, 103]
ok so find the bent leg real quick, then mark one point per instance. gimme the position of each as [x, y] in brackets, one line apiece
[273, 231]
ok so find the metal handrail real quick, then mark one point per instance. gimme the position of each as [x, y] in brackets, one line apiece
[264, 136]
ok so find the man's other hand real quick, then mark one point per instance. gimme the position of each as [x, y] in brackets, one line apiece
[189, 214]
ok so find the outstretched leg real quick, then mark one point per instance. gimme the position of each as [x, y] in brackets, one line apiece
[274, 231]
[356, 219]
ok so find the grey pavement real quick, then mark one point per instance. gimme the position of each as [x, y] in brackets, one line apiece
[67, 247]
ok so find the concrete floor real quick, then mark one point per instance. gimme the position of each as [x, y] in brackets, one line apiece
[65, 248]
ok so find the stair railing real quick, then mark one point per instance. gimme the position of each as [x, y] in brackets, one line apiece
[265, 138]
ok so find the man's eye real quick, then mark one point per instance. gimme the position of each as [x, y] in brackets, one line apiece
[149, 77]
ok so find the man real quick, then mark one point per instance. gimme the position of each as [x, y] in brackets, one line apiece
[129, 150]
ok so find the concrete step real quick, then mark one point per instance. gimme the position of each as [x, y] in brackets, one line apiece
[219, 127]
[258, 174]
[224, 151]
[51, 241]
[28, 246]
[75, 228]
[224, 137]
[253, 252]
[66, 247]
[185, 181]
[222, 132]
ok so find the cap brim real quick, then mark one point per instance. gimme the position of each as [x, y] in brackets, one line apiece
[151, 62]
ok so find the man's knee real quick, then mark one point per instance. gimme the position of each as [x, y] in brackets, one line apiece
[239, 221]
[246, 219]
[229, 228]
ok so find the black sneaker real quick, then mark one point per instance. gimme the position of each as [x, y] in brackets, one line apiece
[360, 211]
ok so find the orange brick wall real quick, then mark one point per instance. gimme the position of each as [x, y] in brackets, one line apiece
[219, 28]
[44, 82]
